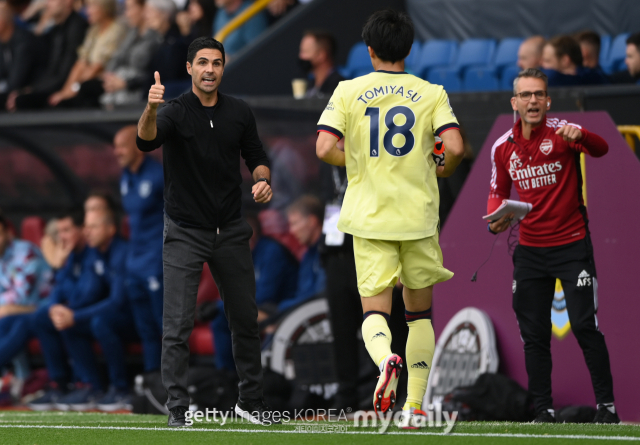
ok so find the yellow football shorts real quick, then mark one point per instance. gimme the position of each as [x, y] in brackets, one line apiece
[379, 264]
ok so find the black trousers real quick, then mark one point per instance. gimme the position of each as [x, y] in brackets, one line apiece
[345, 310]
[184, 252]
[534, 277]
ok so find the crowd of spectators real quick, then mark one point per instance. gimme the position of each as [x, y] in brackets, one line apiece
[92, 53]
[572, 60]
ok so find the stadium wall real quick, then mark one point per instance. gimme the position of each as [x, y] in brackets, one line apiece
[463, 19]
[612, 183]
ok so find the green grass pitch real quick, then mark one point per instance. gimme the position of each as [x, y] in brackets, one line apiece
[127, 429]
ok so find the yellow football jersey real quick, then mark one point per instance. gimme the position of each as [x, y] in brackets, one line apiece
[388, 120]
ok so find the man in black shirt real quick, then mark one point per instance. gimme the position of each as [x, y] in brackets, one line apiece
[204, 133]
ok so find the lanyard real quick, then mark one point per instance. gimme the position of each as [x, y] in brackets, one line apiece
[339, 185]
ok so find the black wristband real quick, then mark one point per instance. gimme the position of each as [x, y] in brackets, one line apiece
[263, 180]
[489, 229]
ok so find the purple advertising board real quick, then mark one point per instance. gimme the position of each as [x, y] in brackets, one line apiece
[613, 200]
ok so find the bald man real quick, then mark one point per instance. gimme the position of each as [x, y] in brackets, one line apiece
[530, 53]
[141, 187]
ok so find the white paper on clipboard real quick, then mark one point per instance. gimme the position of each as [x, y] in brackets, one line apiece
[518, 208]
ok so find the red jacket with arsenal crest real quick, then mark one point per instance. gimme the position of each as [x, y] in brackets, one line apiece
[546, 173]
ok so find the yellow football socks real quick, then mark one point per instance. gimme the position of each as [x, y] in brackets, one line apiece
[376, 335]
[421, 345]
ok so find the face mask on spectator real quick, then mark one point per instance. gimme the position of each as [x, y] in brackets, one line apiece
[305, 65]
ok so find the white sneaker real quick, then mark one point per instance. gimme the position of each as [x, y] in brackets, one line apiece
[384, 397]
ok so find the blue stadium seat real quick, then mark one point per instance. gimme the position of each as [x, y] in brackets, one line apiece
[508, 74]
[480, 79]
[447, 77]
[605, 45]
[617, 53]
[475, 52]
[435, 53]
[358, 62]
[414, 56]
[507, 53]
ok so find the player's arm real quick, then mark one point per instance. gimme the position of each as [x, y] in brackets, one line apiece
[327, 149]
[453, 152]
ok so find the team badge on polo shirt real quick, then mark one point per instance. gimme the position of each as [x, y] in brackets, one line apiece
[124, 188]
[546, 146]
[99, 267]
[144, 190]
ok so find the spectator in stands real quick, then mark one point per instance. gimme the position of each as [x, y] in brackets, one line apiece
[530, 52]
[562, 63]
[63, 40]
[317, 60]
[25, 280]
[98, 200]
[130, 60]
[590, 46]
[168, 59]
[197, 20]
[305, 217]
[141, 188]
[53, 251]
[88, 302]
[101, 42]
[276, 272]
[632, 59]
[227, 11]
[19, 55]
[75, 275]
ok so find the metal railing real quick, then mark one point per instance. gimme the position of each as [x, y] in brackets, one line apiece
[630, 133]
[241, 19]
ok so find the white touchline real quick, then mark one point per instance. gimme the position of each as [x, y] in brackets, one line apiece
[393, 433]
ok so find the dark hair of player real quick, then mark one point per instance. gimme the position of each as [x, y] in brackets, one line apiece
[325, 40]
[204, 43]
[634, 39]
[390, 34]
[75, 213]
[567, 45]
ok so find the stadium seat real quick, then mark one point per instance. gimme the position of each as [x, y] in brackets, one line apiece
[447, 77]
[508, 74]
[412, 58]
[475, 52]
[435, 53]
[507, 53]
[480, 79]
[32, 229]
[358, 62]
[617, 53]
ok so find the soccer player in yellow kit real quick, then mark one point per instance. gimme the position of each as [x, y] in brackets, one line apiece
[389, 120]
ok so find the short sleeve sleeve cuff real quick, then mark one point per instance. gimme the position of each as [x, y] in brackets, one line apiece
[446, 127]
[330, 130]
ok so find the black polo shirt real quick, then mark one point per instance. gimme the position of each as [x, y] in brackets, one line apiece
[201, 153]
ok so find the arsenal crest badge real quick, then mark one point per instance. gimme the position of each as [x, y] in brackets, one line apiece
[546, 146]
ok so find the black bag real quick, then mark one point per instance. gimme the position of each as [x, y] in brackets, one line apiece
[149, 394]
[576, 414]
[212, 388]
[491, 397]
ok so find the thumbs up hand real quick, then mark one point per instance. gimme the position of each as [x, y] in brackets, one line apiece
[156, 92]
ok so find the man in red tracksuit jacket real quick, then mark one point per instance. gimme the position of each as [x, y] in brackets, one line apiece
[541, 156]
